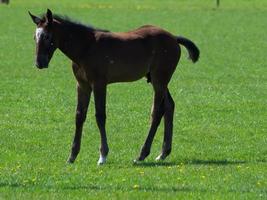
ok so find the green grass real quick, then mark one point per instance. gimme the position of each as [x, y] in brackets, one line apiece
[220, 141]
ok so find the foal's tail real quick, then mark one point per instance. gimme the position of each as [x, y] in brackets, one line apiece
[190, 46]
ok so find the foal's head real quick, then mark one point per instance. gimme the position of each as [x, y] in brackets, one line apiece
[44, 38]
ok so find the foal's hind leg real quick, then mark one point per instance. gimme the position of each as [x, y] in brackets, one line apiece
[99, 90]
[168, 126]
[82, 106]
[157, 113]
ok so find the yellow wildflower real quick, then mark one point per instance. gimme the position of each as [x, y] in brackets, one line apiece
[136, 186]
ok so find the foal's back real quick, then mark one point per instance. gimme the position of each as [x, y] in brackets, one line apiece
[129, 56]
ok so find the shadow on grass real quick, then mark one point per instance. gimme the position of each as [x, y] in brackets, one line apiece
[215, 162]
[127, 189]
[155, 164]
[100, 188]
[188, 162]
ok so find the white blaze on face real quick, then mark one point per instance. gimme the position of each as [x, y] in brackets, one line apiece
[38, 34]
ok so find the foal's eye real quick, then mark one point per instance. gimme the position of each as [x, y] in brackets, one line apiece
[46, 37]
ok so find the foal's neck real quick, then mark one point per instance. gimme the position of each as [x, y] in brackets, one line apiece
[75, 41]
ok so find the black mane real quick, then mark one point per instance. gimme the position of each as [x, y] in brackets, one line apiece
[71, 23]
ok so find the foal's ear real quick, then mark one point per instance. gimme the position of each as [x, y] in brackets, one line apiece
[35, 19]
[49, 17]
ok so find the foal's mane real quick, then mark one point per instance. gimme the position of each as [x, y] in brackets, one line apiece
[65, 20]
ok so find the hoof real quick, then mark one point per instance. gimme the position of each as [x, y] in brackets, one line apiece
[137, 161]
[140, 159]
[160, 158]
[70, 160]
[102, 160]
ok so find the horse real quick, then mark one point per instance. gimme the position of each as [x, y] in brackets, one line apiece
[100, 57]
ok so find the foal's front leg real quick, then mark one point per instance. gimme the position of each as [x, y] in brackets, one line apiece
[99, 90]
[83, 98]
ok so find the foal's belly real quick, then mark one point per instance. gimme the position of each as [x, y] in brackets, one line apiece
[126, 71]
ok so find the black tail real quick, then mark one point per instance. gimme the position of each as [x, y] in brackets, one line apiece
[190, 46]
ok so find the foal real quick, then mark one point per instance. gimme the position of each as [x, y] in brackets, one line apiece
[100, 57]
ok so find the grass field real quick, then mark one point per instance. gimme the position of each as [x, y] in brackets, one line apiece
[220, 129]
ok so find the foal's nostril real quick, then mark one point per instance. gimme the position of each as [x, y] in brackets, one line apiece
[42, 62]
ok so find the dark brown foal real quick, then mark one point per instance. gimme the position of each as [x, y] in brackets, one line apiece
[101, 57]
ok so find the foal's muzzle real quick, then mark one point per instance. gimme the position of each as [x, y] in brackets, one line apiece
[42, 61]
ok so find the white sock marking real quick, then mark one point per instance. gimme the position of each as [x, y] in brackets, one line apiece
[159, 158]
[102, 160]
